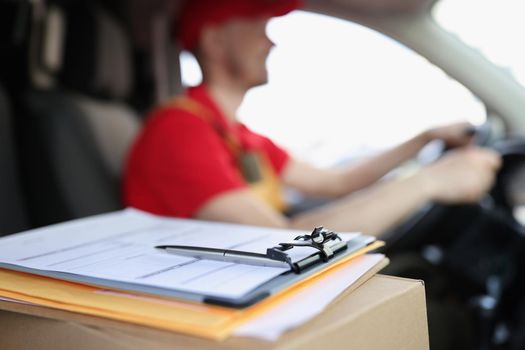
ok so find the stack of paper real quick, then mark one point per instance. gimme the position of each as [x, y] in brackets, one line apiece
[107, 266]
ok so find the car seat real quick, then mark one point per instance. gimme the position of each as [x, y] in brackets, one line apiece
[13, 217]
[77, 125]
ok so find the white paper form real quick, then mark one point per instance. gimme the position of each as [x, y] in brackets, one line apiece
[120, 247]
[308, 303]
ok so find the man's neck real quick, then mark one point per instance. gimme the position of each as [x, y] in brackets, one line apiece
[228, 98]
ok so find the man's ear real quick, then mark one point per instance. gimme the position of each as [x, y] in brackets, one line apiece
[211, 43]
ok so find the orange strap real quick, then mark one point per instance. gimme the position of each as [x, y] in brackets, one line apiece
[196, 108]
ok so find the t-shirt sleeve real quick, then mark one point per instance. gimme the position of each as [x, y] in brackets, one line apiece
[185, 163]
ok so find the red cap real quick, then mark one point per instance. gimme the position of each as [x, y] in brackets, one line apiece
[196, 14]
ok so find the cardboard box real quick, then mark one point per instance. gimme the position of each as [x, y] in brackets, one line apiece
[384, 313]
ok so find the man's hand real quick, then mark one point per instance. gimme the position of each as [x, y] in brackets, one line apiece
[461, 176]
[454, 135]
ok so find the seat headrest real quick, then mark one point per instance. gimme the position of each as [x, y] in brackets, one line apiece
[97, 52]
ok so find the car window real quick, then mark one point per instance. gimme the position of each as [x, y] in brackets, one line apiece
[494, 27]
[339, 90]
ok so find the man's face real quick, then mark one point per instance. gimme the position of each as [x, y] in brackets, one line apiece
[245, 50]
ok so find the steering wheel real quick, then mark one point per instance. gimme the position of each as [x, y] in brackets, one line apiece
[470, 253]
[430, 225]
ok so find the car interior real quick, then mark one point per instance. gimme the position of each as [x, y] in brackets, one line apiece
[79, 76]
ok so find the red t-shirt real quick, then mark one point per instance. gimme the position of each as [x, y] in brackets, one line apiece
[179, 161]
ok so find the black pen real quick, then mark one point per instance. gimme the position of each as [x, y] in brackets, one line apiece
[225, 255]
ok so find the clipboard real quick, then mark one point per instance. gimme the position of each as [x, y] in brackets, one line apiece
[355, 247]
[101, 241]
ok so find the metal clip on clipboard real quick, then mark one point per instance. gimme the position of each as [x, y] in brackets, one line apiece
[327, 243]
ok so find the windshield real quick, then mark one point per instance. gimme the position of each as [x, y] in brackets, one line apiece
[494, 27]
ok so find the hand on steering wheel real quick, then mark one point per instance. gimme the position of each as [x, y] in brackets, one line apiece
[453, 135]
[457, 169]
[461, 176]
